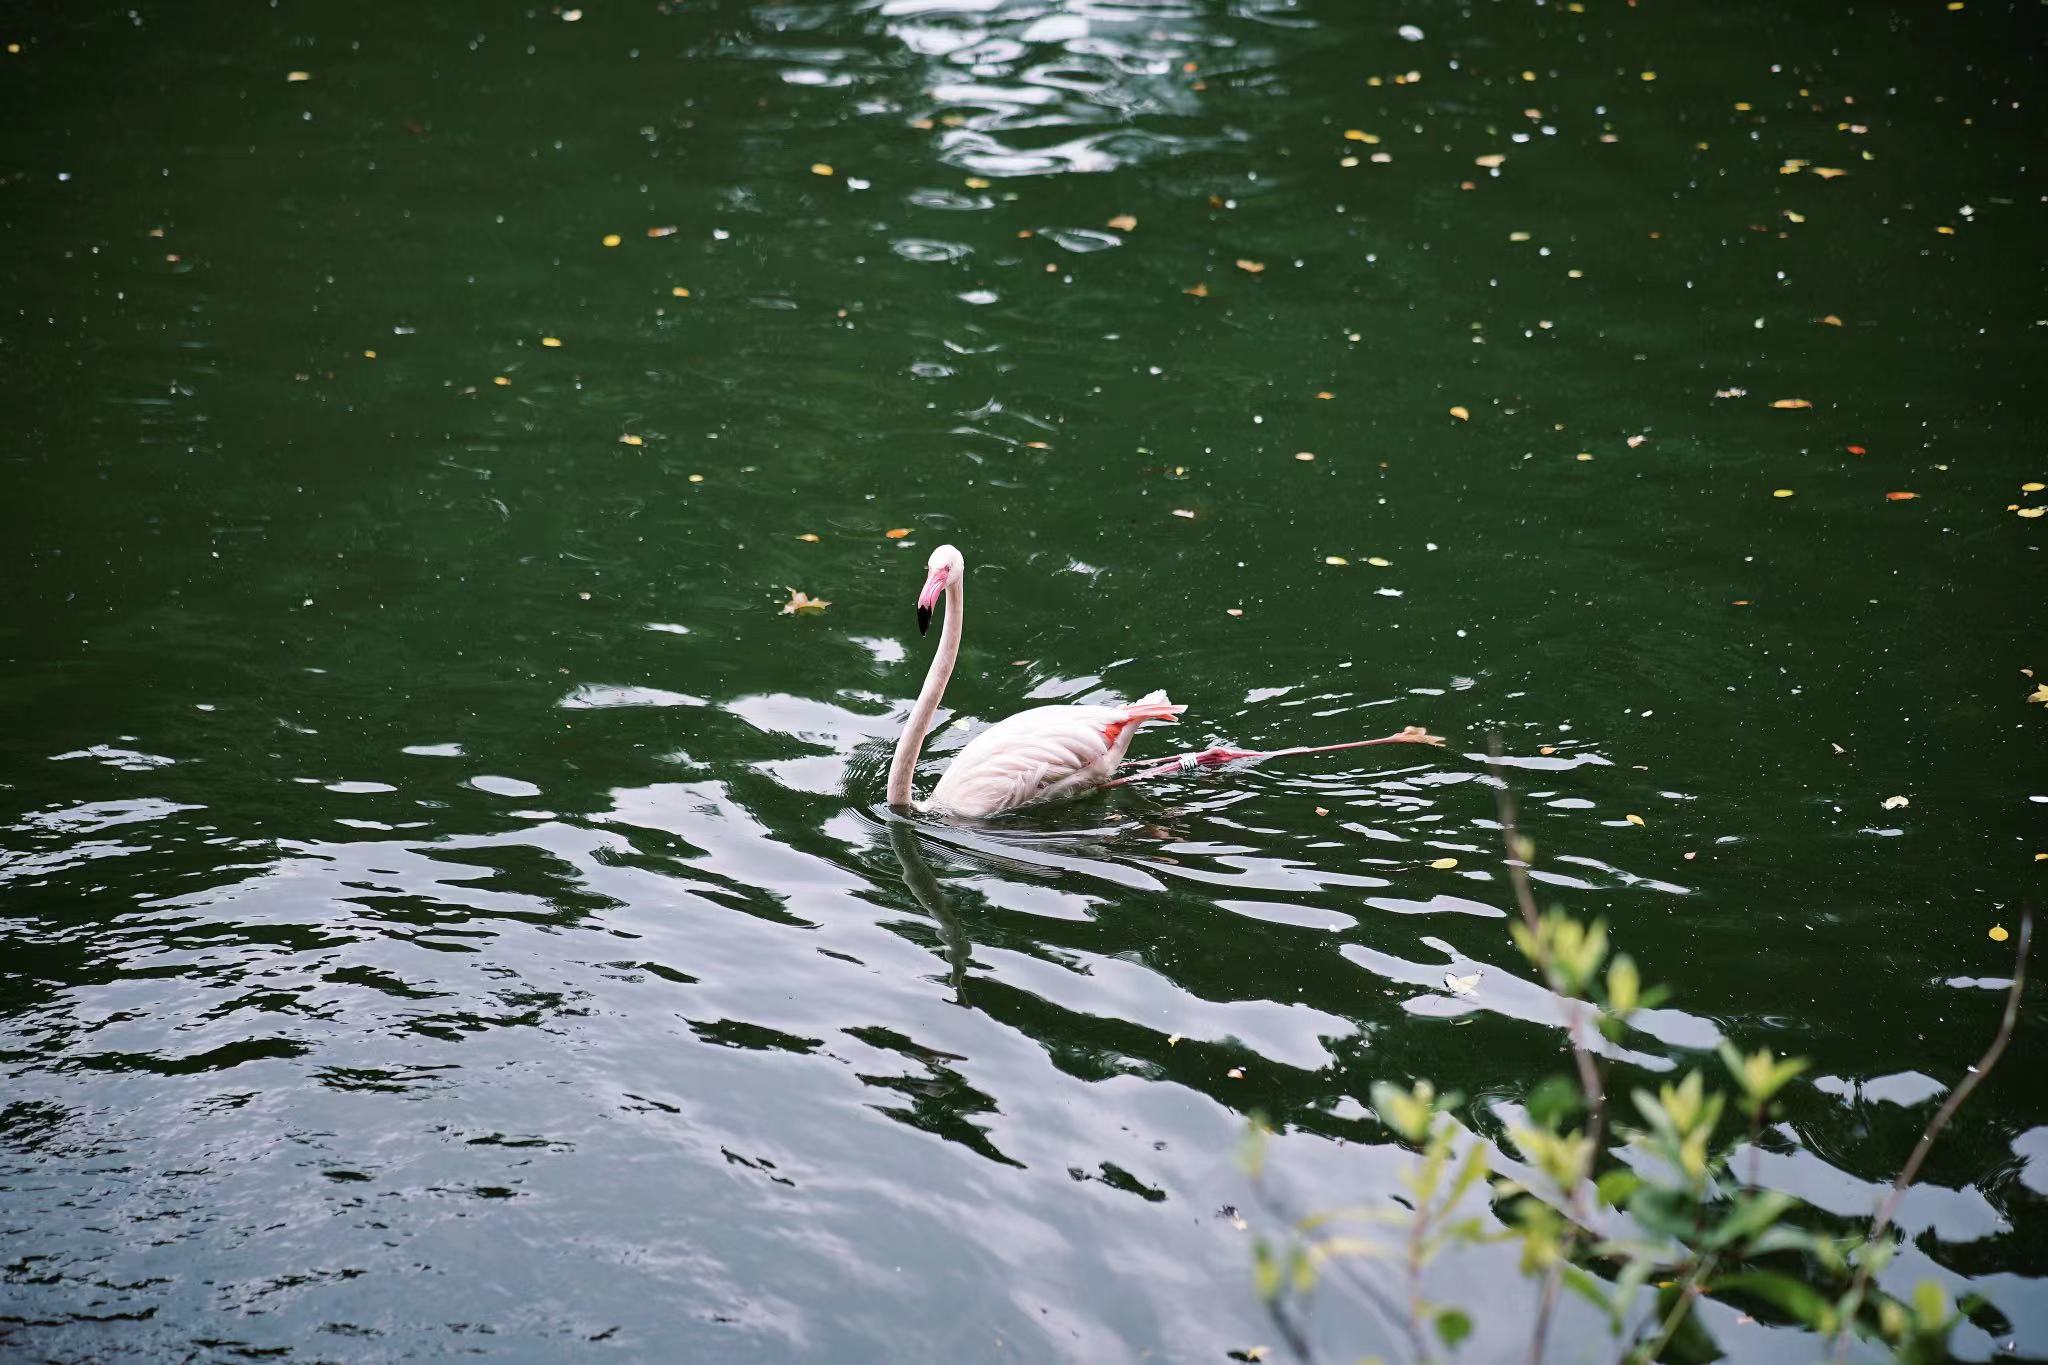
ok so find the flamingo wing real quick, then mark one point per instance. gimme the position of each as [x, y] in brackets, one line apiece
[1047, 753]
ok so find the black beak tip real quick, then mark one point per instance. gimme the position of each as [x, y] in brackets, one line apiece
[924, 620]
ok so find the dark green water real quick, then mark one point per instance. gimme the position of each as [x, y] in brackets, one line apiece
[447, 904]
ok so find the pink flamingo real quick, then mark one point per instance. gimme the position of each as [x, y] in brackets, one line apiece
[1048, 753]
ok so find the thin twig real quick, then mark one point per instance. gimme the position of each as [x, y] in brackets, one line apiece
[2006, 1023]
[1582, 1057]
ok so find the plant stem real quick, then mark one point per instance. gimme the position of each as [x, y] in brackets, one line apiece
[1853, 1301]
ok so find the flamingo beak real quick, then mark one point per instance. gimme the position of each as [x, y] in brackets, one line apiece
[929, 598]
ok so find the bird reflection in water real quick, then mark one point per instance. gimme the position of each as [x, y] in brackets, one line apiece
[925, 889]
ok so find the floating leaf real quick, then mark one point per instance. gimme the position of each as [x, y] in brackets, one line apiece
[1233, 611]
[629, 439]
[550, 341]
[2028, 512]
[1379, 562]
[613, 239]
[503, 381]
[1443, 864]
[809, 536]
[1633, 819]
[975, 182]
[1856, 450]
[1124, 222]
[1462, 413]
[665, 231]
[1251, 267]
[2032, 487]
[1998, 933]
[2039, 694]
[1635, 441]
[1828, 172]
[1200, 291]
[1781, 492]
[1518, 236]
[1831, 321]
[1322, 810]
[1338, 561]
[1184, 512]
[1304, 455]
[802, 601]
[1490, 160]
[1360, 135]
[820, 168]
[1791, 402]
[897, 534]
[1900, 497]
[298, 76]
[1235, 1073]
[1731, 393]
[1896, 803]
[1325, 394]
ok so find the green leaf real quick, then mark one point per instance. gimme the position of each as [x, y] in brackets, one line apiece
[1795, 1298]
[1588, 1287]
[1554, 1100]
[1931, 1306]
[1265, 1271]
[1624, 985]
[1617, 1186]
[1751, 1215]
[1453, 1326]
[1691, 1343]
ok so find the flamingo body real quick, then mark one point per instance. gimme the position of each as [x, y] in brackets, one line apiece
[1047, 753]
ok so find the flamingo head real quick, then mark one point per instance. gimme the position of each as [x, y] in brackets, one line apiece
[945, 567]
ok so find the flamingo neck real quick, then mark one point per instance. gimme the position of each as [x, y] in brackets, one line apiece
[904, 766]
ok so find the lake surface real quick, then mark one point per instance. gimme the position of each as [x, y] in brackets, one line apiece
[448, 903]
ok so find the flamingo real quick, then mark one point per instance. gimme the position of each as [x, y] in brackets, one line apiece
[1048, 753]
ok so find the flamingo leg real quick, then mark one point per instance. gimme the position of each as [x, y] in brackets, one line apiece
[1209, 758]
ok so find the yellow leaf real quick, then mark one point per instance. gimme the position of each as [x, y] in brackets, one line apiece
[1462, 413]
[503, 381]
[820, 168]
[1831, 321]
[808, 537]
[1584, 457]
[1304, 455]
[1518, 236]
[1490, 160]
[1998, 933]
[802, 601]
[1634, 819]
[897, 534]
[1441, 864]
[2028, 512]
[1379, 563]
[1337, 560]
[1896, 803]
[1359, 135]
[975, 182]
[1781, 492]
[668, 231]
[631, 440]
[1325, 393]
[2039, 694]
[1251, 267]
[612, 239]
[550, 341]
[298, 75]
[1792, 217]
[1123, 222]
[1200, 291]
[369, 355]
[1791, 403]
[2032, 487]
[1828, 172]
[1900, 497]
[1649, 75]
[696, 478]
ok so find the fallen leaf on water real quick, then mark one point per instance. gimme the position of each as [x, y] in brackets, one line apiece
[1123, 222]
[820, 168]
[1233, 611]
[503, 381]
[1998, 933]
[1338, 560]
[1856, 450]
[2032, 487]
[1324, 393]
[809, 536]
[613, 239]
[1462, 413]
[1635, 441]
[696, 478]
[1173, 1040]
[1792, 217]
[631, 440]
[369, 355]
[1185, 512]
[1360, 135]
[1546, 749]
[1304, 455]
[1731, 393]
[2028, 512]
[1896, 802]
[1781, 492]
[1461, 985]
[897, 534]
[1828, 172]
[550, 341]
[298, 75]
[1235, 1073]
[1689, 856]
[1900, 497]
[1322, 810]
[1836, 747]
[1200, 291]
[1443, 864]
[1251, 267]
[1633, 819]
[1490, 160]
[1791, 402]
[1518, 236]
[2039, 694]
[1831, 321]
[1793, 166]
[665, 231]
[680, 292]
[802, 601]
